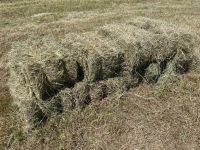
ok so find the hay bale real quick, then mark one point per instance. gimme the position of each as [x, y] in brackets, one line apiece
[37, 112]
[31, 80]
[68, 101]
[51, 106]
[112, 64]
[100, 58]
[98, 91]
[182, 41]
[81, 94]
[146, 41]
[182, 63]
[44, 101]
[37, 82]
[102, 89]
[57, 73]
[152, 73]
[71, 67]
[140, 46]
[93, 67]
[33, 115]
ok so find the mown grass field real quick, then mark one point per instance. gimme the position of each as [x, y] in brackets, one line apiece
[142, 120]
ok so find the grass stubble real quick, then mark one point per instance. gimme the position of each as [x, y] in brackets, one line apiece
[144, 117]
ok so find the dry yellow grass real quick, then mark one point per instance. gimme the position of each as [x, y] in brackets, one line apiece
[141, 119]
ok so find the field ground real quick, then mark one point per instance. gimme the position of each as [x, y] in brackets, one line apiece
[143, 120]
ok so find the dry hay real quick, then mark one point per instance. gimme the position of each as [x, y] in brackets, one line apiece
[48, 76]
[152, 73]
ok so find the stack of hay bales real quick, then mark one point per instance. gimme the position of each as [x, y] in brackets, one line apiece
[52, 77]
[149, 41]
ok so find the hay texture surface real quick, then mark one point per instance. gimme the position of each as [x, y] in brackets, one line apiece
[51, 76]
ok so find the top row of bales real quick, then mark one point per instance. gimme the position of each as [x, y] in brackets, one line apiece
[115, 55]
